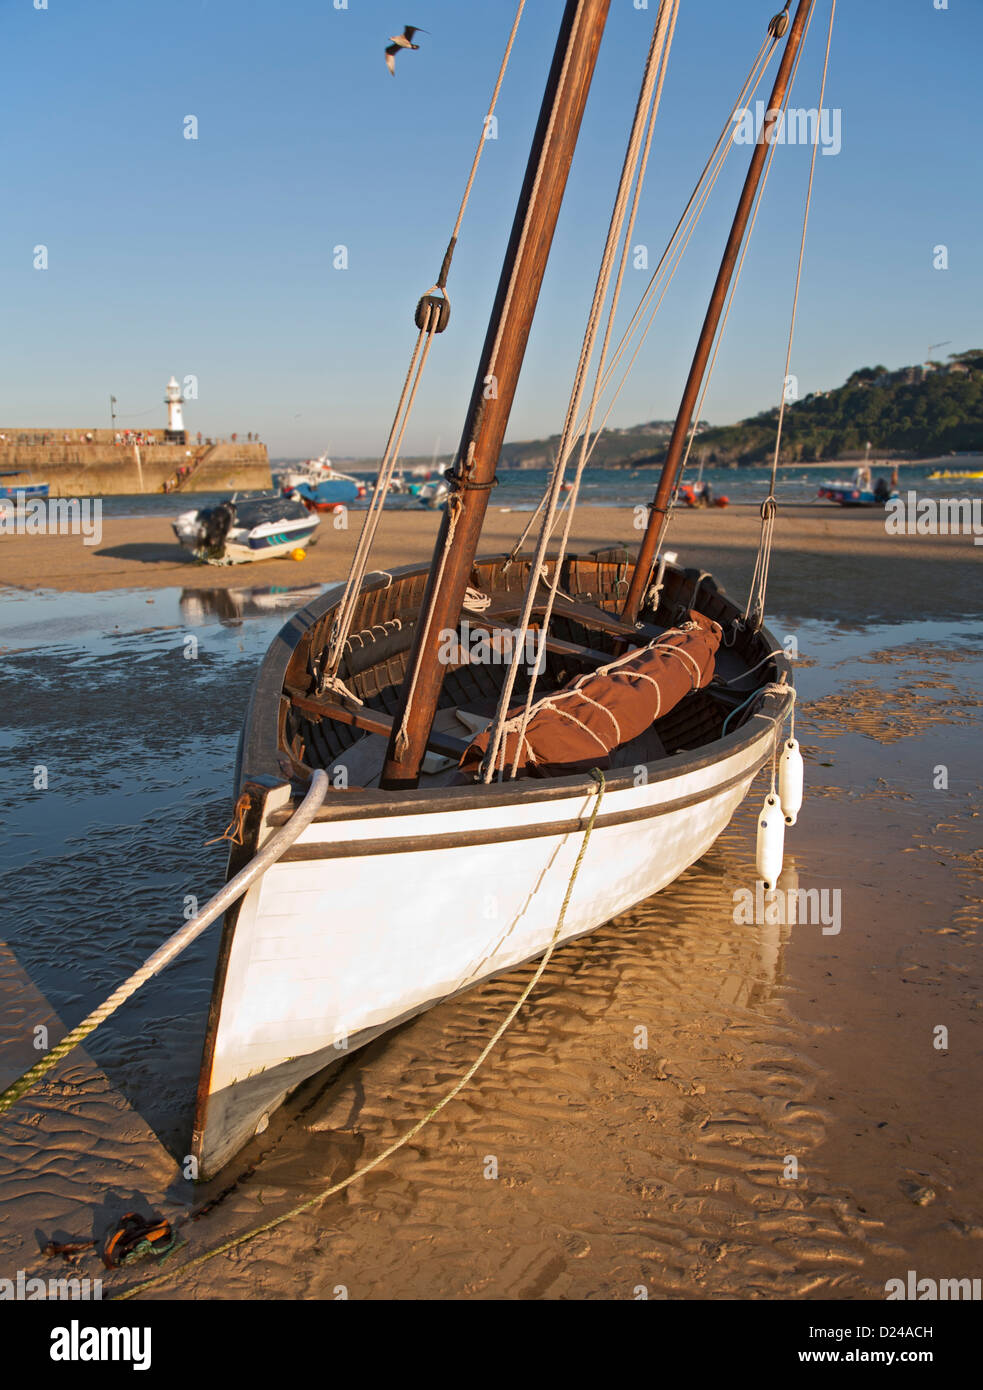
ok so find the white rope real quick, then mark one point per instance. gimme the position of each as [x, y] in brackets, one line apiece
[642, 118]
[454, 500]
[271, 851]
[345, 613]
[735, 285]
[759, 582]
[475, 601]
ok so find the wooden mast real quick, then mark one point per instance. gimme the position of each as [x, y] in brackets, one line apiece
[473, 474]
[658, 509]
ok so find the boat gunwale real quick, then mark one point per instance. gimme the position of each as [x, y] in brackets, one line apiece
[304, 850]
[260, 755]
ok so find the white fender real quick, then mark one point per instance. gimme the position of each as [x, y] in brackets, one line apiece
[771, 841]
[790, 779]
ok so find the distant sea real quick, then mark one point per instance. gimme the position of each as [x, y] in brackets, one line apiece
[521, 489]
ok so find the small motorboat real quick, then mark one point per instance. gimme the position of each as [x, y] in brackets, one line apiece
[329, 495]
[242, 529]
[321, 487]
[852, 495]
[861, 491]
[701, 495]
[434, 495]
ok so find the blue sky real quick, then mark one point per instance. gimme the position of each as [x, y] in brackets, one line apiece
[214, 257]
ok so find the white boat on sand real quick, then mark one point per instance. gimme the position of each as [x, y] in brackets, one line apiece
[246, 529]
[387, 904]
[471, 813]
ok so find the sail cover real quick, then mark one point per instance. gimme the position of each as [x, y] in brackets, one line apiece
[579, 726]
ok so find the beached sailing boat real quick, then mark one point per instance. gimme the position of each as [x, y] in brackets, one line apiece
[461, 785]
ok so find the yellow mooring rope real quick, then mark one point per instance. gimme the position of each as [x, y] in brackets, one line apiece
[174, 945]
[435, 1110]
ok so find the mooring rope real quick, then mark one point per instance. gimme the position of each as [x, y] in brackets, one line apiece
[431, 1114]
[153, 965]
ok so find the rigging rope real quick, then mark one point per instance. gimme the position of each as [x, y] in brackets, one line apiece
[673, 253]
[759, 581]
[671, 258]
[775, 31]
[646, 111]
[666, 41]
[732, 294]
[431, 318]
[431, 1114]
[460, 477]
[665, 20]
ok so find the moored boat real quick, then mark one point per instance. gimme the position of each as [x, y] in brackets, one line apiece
[387, 904]
[25, 492]
[321, 487]
[458, 814]
[245, 529]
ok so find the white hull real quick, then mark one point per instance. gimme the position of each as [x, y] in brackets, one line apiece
[330, 951]
[240, 552]
[243, 545]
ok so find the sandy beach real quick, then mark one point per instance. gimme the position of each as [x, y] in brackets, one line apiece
[664, 1169]
[829, 563]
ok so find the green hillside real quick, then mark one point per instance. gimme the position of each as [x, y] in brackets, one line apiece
[927, 411]
[915, 411]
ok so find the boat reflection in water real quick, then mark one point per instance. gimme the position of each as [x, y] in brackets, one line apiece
[233, 605]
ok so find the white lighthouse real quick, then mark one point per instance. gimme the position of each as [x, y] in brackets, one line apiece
[175, 432]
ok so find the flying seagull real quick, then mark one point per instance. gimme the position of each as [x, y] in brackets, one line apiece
[403, 40]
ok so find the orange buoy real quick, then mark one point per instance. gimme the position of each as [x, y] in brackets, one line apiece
[298, 554]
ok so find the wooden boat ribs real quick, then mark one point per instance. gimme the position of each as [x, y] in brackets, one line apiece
[320, 729]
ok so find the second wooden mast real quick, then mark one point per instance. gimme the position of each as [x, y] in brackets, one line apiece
[659, 507]
[473, 474]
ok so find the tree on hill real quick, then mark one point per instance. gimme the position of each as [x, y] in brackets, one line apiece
[909, 410]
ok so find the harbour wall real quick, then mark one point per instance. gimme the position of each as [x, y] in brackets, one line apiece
[102, 469]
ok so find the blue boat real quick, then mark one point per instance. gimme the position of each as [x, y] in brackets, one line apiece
[328, 494]
[25, 491]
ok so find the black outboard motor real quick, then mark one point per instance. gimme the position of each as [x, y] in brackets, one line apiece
[215, 525]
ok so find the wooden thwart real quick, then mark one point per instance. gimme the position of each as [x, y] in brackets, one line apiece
[374, 721]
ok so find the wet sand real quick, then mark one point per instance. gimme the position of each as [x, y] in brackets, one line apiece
[828, 562]
[587, 1160]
